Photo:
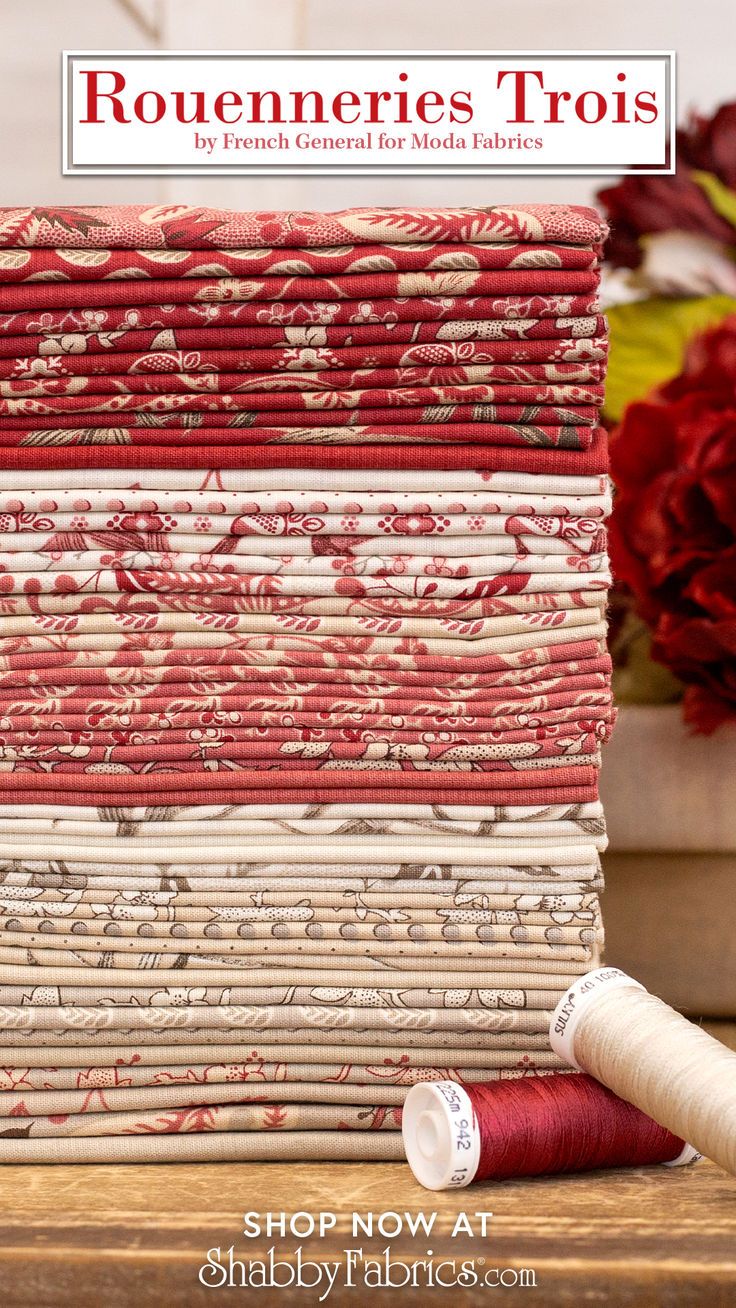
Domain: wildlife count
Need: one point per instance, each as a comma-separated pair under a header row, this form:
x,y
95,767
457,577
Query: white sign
x,y
412,112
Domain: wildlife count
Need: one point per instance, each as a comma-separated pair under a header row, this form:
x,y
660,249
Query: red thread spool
x,y
455,1134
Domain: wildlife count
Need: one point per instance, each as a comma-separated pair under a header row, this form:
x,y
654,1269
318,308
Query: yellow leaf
x,y
721,197
649,339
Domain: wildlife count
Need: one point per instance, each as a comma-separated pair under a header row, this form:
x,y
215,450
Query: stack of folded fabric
x,y
303,676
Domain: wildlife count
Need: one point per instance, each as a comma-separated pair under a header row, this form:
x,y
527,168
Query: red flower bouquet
x,y
673,532
638,206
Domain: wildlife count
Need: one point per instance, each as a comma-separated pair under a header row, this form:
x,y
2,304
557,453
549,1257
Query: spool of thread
x,y
456,1134
607,1024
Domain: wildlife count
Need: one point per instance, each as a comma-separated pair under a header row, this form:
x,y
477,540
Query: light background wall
x,y
35,32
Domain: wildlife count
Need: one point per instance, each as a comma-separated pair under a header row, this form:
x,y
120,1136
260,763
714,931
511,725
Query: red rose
x,y
710,144
673,530
639,205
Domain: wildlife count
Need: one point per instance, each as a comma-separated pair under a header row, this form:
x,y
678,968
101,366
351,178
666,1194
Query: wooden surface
x,y
122,1236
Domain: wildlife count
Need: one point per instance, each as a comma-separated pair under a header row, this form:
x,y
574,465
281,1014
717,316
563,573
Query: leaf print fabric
x,y
183,227
303,670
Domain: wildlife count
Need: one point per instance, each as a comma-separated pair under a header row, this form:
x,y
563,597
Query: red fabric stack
x,y
302,665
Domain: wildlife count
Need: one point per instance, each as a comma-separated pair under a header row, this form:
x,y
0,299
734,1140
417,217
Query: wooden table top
x,y
138,1235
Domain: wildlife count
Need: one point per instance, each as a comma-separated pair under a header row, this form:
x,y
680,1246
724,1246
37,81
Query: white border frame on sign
x,y
69,168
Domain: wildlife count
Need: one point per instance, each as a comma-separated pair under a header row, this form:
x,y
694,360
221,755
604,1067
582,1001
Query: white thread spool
x,y
608,1025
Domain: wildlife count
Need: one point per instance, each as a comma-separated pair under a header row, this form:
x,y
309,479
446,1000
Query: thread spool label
x,y
449,1159
465,1146
688,1154
576,1001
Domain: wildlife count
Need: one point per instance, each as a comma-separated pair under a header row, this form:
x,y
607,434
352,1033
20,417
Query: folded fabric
x,y
60,264
411,374
502,648
419,308
204,678
206,1119
518,339
513,1010
506,821
285,1023
121,1098
363,1062
507,282
317,1146
381,457
384,424
242,702
186,227
502,487
473,436
149,507
505,670
271,902
85,406
191,551
578,786
500,985
508,360
248,713
196,623
362,850
533,572
303,677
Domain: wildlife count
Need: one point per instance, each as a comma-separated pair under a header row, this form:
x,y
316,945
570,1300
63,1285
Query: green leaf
x,y
648,343
637,677
721,197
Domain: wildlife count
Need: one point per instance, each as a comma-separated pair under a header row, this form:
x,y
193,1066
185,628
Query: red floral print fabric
x,y
200,228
